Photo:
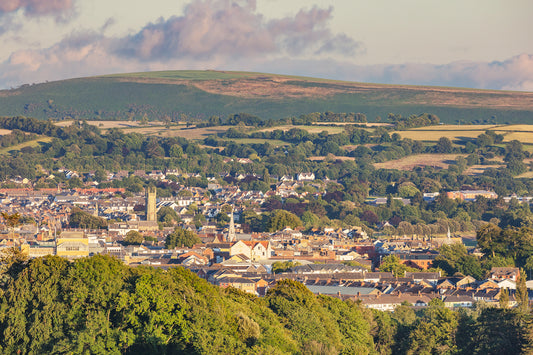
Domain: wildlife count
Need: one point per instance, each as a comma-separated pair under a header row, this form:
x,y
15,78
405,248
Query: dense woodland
x,y
99,305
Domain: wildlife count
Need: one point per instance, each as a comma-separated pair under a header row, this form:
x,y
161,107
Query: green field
x,y
274,142
458,133
33,143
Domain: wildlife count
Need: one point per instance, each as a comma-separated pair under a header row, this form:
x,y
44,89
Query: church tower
x,y
151,211
231,231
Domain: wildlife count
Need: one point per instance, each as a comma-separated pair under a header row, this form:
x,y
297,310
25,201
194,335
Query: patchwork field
x,y
522,133
413,161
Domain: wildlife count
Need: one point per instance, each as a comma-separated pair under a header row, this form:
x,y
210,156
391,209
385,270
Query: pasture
x,y
274,142
309,129
179,131
522,133
413,161
33,143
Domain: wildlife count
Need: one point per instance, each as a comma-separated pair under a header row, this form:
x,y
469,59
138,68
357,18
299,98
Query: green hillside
x,y
200,94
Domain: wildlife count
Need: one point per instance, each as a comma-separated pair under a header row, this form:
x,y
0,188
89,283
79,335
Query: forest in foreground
x,y
99,305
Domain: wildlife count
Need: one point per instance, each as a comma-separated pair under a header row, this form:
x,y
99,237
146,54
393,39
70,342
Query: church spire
x,y
231,231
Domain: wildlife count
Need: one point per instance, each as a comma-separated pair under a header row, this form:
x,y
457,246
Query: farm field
x,y
33,143
451,127
274,142
174,131
515,127
112,124
524,137
4,132
332,157
434,135
522,133
310,129
410,162
479,169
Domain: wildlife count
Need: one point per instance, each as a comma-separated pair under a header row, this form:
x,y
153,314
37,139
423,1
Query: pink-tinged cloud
x,y
232,29
231,35
37,7
515,73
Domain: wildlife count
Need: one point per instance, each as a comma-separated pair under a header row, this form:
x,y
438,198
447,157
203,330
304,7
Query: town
x,y
342,263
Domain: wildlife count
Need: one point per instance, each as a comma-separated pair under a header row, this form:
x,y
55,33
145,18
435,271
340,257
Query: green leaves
x,y
181,238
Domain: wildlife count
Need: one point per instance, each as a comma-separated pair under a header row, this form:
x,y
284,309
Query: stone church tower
x,y
151,209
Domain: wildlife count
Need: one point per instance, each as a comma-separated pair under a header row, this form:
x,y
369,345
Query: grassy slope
x,y
161,93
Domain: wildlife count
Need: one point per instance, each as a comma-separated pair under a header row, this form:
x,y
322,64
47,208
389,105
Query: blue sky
x,y
467,43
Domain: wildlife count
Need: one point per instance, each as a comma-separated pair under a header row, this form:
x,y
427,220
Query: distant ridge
x,y
201,94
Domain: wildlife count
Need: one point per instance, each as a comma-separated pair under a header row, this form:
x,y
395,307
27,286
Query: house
x,y
458,301
508,284
466,281
305,177
431,278
254,250
390,302
471,195
500,273
241,283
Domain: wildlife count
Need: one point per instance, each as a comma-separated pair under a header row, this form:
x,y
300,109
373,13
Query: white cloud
x,y
232,35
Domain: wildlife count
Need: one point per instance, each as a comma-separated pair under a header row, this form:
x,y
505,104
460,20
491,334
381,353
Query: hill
x,y
200,94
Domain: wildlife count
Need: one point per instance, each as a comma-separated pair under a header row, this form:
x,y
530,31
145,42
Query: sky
x,y
486,44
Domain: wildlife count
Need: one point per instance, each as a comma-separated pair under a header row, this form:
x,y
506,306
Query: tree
x,y
435,332
133,237
391,263
176,151
280,219
444,145
81,219
488,237
167,216
504,298
501,331
12,220
522,294
181,238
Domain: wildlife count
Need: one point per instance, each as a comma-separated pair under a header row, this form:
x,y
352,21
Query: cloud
x,y
231,35
233,29
56,8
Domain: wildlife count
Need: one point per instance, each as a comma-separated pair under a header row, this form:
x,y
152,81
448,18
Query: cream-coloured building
x,y
254,250
72,244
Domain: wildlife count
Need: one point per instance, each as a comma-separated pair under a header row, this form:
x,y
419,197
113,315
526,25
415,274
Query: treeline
x,y
247,119
425,119
99,305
